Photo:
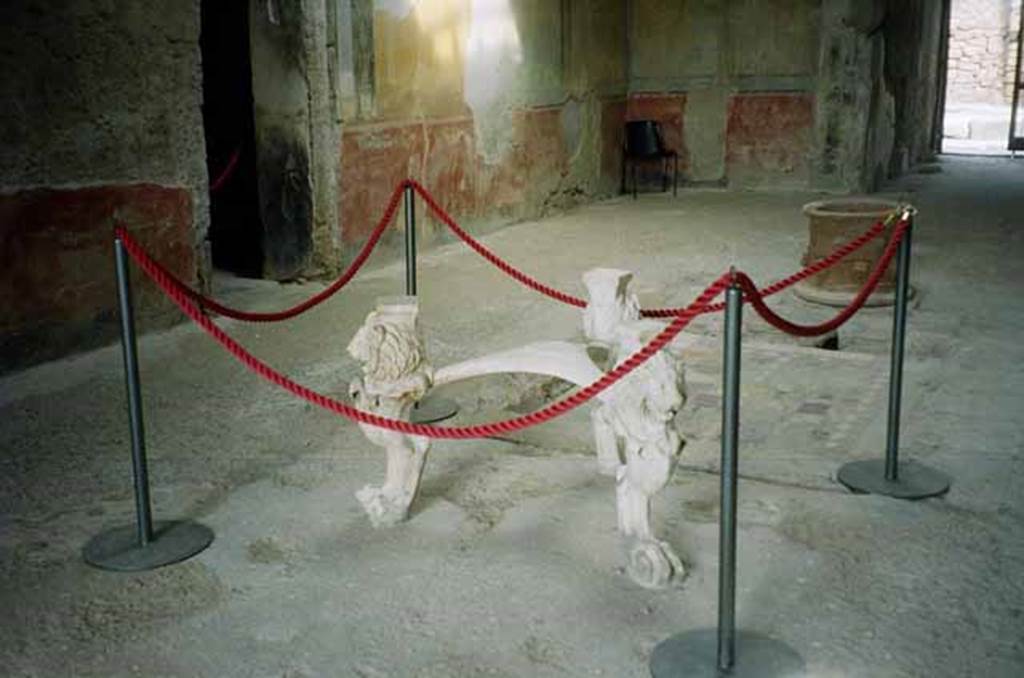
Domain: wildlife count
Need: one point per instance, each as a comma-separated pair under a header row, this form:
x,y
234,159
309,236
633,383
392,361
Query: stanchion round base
x,y
431,410
914,481
695,655
173,541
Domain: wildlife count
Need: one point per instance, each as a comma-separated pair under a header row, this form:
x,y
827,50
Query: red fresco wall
x,y
768,138
442,155
57,264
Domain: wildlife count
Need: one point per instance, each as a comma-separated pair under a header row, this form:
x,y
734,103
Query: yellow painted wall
x,y
419,59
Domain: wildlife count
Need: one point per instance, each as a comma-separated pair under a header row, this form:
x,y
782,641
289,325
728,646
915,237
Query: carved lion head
x,y
389,350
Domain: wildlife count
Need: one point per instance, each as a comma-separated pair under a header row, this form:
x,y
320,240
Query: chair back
x,y
643,138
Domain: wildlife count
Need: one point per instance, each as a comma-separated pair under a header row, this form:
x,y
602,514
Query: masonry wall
x,y
101,125
732,84
913,50
982,50
503,109
297,131
830,94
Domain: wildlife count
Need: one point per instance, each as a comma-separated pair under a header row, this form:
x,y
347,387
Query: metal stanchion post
x,y
728,481
888,476
715,652
140,471
142,546
410,241
431,409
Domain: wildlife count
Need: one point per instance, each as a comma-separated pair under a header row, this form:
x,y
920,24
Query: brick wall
x,y
982,50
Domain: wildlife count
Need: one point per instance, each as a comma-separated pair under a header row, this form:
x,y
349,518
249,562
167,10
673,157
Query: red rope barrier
x,y
187,300
507,268
212,305
817,267
490,256
187,304
228,170
756,298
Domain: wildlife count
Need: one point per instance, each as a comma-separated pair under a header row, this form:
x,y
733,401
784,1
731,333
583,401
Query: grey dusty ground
x,y
978,129
510,563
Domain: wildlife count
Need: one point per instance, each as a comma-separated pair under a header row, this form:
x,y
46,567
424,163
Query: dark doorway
x,y
236,233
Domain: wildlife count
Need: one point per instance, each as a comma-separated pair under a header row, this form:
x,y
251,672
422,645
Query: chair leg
x,y
664,174
622,174
675,175
634,180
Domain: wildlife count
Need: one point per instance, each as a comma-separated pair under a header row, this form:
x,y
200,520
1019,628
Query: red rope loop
x,y
818,266
490,256
208,304
227,172
756,297
507,268
187,304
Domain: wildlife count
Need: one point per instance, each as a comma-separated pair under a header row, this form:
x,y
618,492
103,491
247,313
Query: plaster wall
x,y
102,124
855,110
731,83
835,94
295,114
913,39
504,109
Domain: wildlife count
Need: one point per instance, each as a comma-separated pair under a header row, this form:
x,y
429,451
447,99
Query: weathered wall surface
x,y
878,90
913,30
57,284
732,84
835,94
296,132
982,50
502,108
855,111
101,123
768,138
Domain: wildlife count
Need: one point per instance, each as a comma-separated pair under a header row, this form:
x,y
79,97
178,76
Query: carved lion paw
x,y
654,565
384,509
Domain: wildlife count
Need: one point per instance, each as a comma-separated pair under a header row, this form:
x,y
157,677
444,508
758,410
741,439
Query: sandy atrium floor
x,y
510,565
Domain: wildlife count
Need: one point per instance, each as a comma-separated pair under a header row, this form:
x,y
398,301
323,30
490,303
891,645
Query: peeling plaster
x,y
571,126
491,76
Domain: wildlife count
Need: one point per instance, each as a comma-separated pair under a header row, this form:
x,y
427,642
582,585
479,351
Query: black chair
x,y
643,144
